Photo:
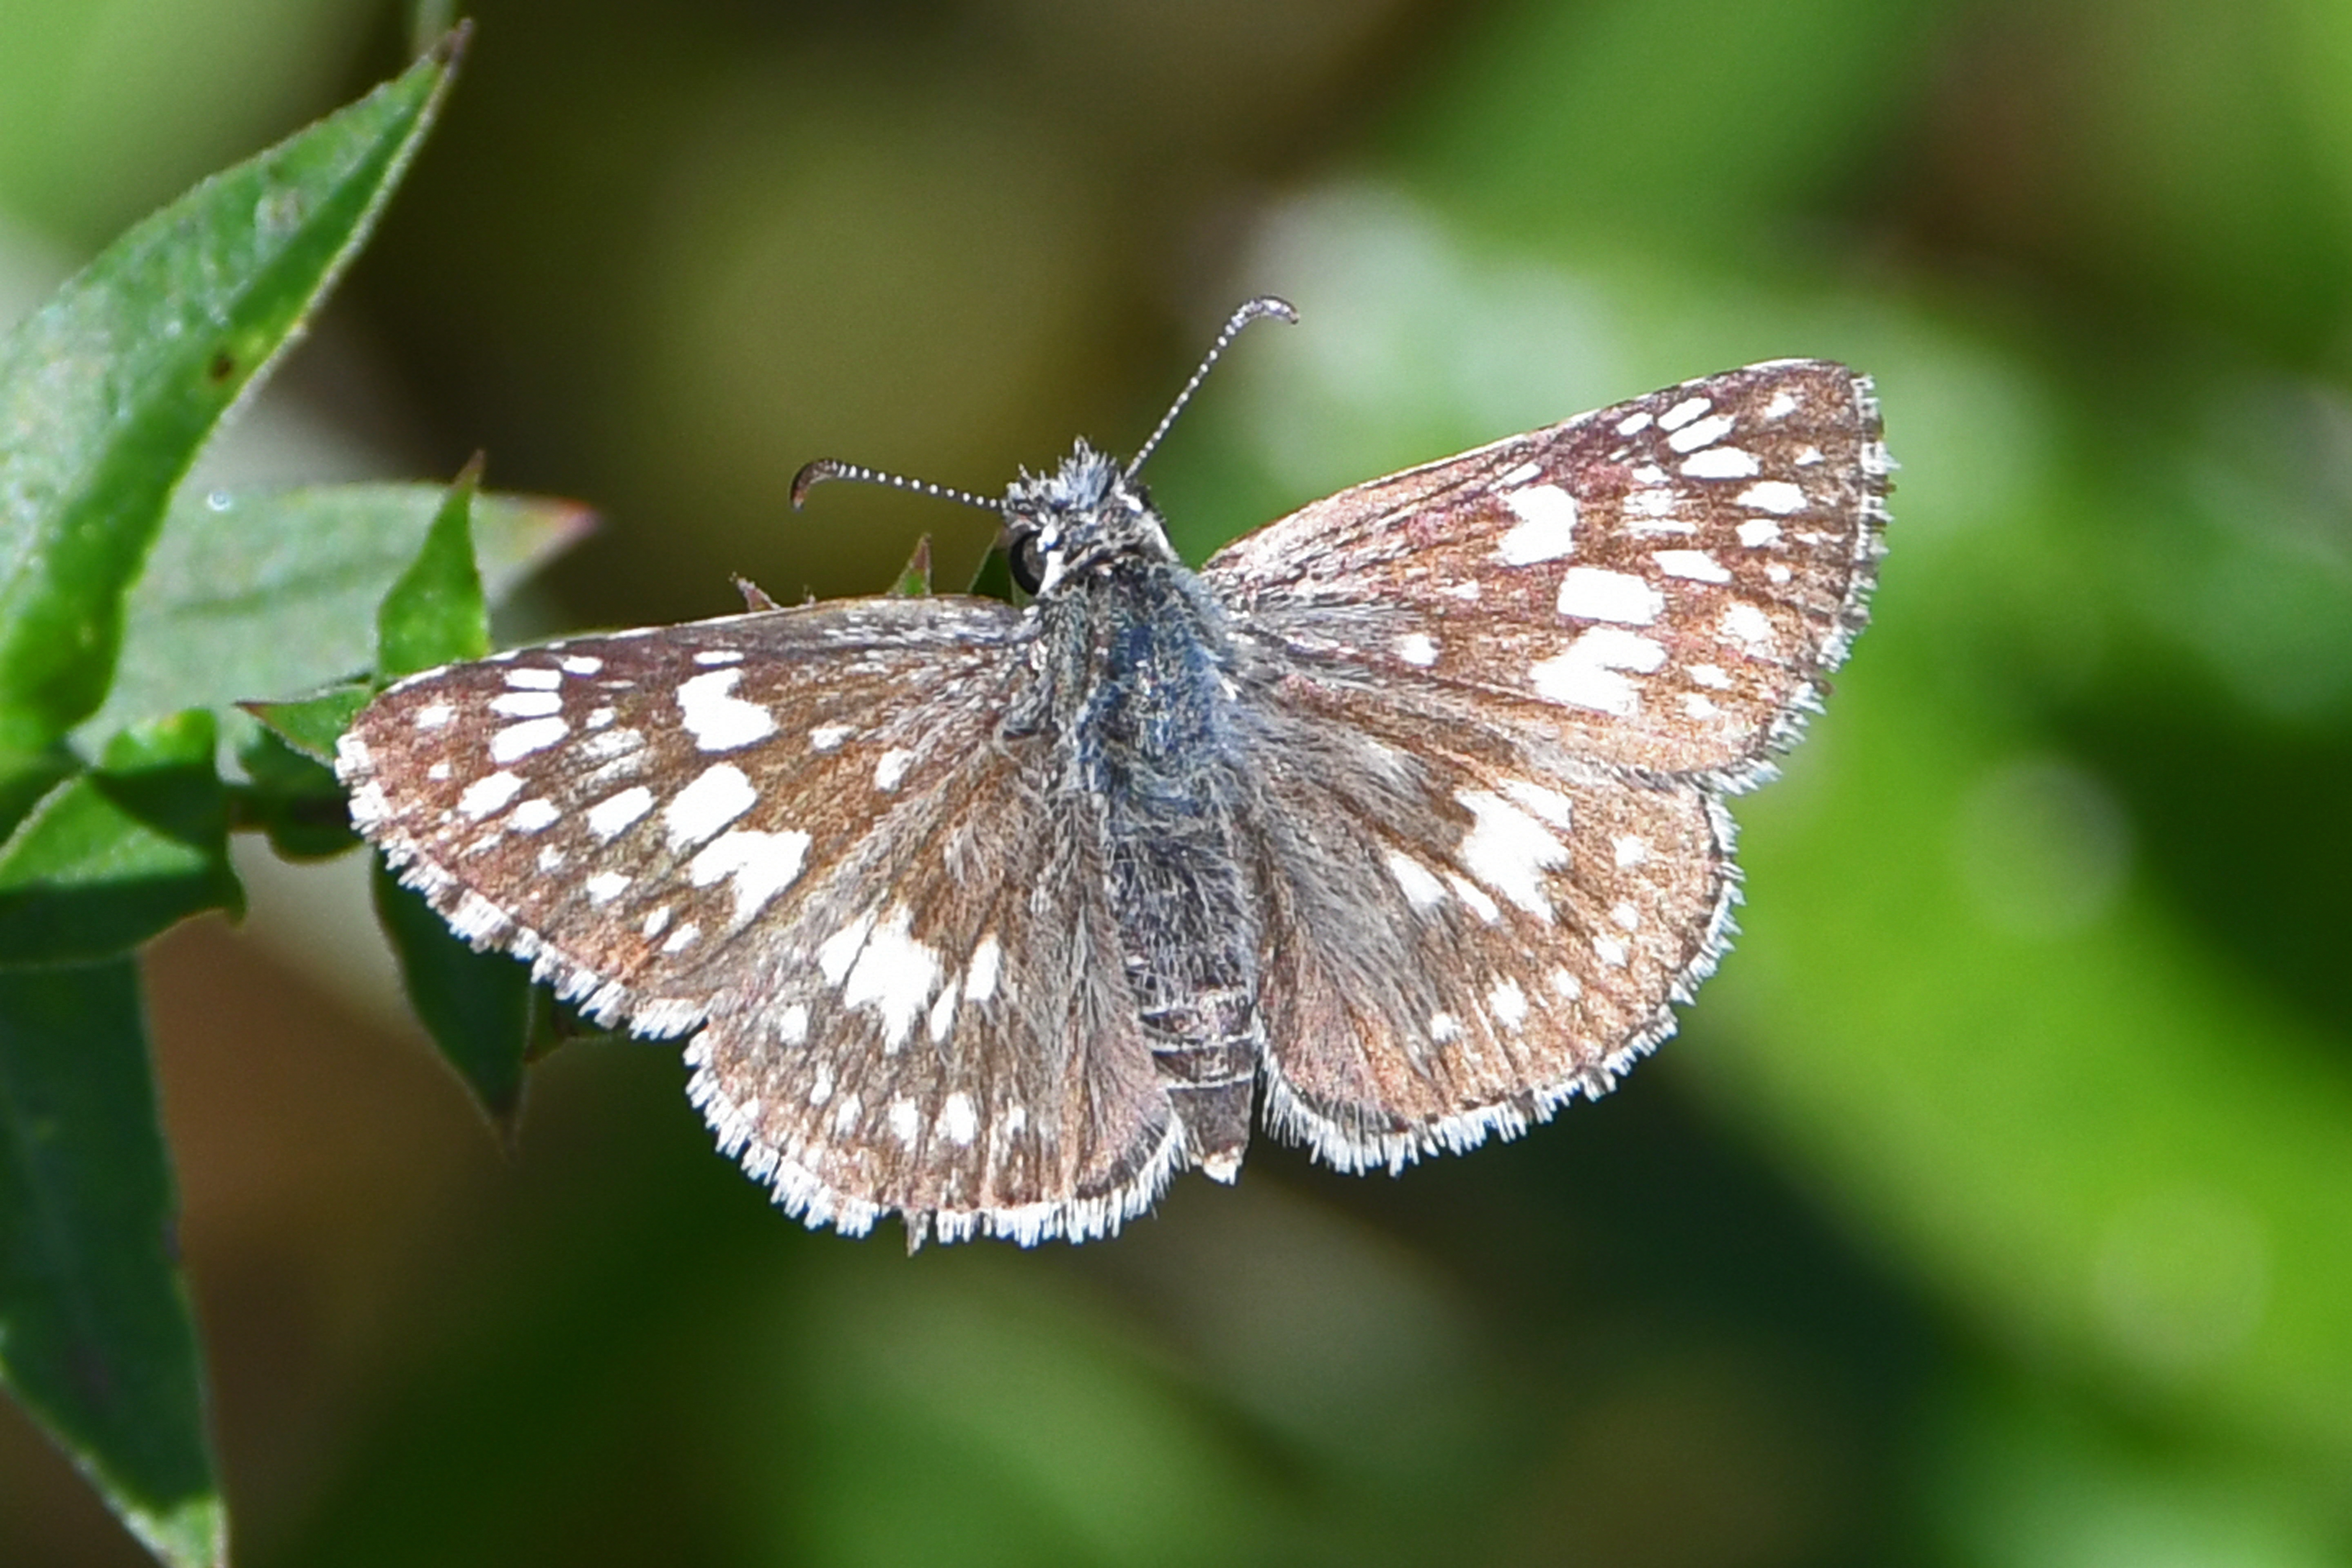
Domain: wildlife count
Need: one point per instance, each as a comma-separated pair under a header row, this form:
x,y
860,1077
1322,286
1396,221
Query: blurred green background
x,y
1994,1206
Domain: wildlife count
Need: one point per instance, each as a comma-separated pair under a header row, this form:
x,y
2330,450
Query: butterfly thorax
x,y
1136,654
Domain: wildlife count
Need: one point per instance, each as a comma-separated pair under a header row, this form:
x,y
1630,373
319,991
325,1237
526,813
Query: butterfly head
x,y
1082,515
1087,512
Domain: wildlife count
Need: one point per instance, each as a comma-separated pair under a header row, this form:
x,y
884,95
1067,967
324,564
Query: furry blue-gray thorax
x,y
1085,513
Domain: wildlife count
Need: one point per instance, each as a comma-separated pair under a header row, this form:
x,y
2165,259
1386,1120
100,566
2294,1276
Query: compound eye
x,y
1027,561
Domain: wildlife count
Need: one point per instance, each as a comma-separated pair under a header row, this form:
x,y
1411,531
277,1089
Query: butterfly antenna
x,y
1250,311
825,469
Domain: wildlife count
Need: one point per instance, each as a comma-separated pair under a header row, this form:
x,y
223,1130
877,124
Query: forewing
x,y
803,832
1465,927
1666,581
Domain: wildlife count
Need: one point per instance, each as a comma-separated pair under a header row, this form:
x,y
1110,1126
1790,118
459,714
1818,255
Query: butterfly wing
x,y
804,834
1468,924
1663,584
1499,697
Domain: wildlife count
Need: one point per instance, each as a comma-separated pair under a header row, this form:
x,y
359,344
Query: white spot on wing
x,y
1519,476
904,1120
986,956
959,1123
894,976
1547,526
1421,888
582,664
433,715
611,743
763,864
719,720
1696,565
1708,675
1544,801
526,704
1445,1027
1588,675
488,794
1680,414
1475,897
1772,495
943,1012
1630,848
1721,463
530,678
1417,648
1509,1003
1758,531
1596,594
521,740
1747,624
825,737
1508,850
891,767
1635,423
717,656
1609,950
837,953
613,813
718,796
605,886
1783,403
1706,432
533,816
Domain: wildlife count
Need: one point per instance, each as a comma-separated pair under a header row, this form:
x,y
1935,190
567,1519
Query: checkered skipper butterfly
x,y
1401,821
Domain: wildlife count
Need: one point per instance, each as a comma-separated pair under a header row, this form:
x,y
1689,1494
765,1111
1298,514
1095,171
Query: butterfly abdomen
x,y
1160,764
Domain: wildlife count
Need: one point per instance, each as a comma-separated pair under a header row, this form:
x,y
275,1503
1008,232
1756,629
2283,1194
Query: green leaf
x,y
556,1024
107,391
96,1338
294,796
437,612
476,1006
915,582
249,596
118,855
27,776
313,724
994,578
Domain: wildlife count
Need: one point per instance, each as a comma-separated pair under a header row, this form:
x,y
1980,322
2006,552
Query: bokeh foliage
x,y
1995,1205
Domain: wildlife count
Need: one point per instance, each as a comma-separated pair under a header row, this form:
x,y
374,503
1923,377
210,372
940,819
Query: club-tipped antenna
x,y
1265,305
825,469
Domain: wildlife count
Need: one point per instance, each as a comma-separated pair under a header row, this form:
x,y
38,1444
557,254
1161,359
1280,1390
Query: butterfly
x,y
1396,825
